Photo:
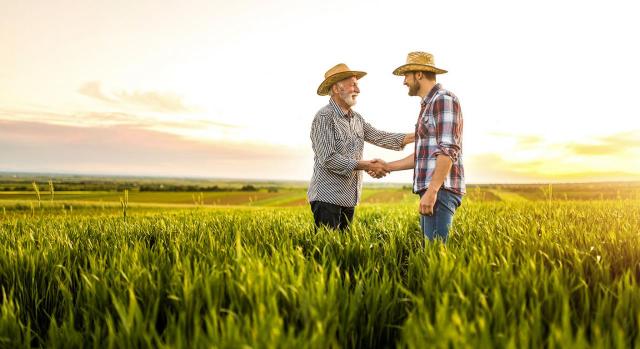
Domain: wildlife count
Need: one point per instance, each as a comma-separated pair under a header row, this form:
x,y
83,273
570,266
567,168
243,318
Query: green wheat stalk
x,y
35,187
124,202
51,190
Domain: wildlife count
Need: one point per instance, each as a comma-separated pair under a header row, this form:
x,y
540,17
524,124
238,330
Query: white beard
x,y
349,98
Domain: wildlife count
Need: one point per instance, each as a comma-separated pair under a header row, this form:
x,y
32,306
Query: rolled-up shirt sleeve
x,y
382,139
448,120
324,145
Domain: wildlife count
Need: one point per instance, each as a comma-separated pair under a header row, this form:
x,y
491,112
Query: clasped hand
x,y
377,168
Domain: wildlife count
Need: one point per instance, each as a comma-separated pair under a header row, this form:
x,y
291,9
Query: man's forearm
x,y
402,164
443,166
408,138
363,165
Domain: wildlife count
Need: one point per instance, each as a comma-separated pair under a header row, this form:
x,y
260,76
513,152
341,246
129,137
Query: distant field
x,y
288,197
279,195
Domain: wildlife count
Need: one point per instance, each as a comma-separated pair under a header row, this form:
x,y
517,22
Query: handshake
x,y
377,168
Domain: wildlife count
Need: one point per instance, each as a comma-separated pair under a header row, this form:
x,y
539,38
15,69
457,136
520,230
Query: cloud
x,y
126,149
93,89
609,145
156,101
107,119
150,100
21,114
593,149
134,150
492,168
521,140
529,140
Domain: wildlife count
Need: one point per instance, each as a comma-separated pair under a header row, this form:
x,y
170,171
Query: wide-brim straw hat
x,y
338,73
419,61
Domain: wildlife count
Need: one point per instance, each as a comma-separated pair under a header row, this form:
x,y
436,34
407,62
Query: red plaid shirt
x,y
439,132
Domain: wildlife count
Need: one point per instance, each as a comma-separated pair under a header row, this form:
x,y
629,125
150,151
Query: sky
x,y
227,89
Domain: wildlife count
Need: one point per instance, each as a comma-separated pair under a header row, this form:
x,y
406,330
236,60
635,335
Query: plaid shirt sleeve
x,y
382,139
324,145
448,120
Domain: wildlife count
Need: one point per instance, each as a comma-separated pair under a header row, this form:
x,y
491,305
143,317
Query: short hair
x,y
339,83
431,76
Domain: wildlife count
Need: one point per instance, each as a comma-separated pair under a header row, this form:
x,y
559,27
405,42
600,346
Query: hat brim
x,y
401,70
324,87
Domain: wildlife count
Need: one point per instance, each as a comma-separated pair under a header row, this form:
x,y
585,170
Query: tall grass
x,y
37,190
512,275
124,203
51,190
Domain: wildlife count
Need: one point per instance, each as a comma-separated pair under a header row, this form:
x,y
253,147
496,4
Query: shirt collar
x,y
338,110
431,93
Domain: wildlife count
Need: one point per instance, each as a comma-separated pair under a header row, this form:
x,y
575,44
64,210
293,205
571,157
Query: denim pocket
x,y
449,200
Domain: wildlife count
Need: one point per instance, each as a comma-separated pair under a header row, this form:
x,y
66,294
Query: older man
x,y
438,173
338,134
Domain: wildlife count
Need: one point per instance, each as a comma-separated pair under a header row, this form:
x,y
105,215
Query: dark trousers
x,y
330,215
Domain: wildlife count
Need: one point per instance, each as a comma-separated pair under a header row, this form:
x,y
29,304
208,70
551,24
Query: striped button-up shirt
x,y
439,132
337,139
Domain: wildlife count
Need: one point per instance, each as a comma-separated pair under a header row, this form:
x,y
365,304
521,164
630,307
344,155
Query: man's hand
x,y
409,138
427,202
377,168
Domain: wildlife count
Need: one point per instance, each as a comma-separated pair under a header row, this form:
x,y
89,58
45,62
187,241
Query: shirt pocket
x,y
342,139
357,140
430,126
425,127
358,128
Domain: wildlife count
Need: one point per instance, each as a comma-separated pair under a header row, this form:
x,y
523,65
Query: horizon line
x,y
241,179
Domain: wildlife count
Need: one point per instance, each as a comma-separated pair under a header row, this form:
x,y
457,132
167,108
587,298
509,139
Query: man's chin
x,y
350,101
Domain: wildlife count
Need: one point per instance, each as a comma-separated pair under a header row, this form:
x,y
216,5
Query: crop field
x,y
538,266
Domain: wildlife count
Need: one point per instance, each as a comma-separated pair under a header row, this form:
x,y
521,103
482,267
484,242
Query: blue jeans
x,y
437,225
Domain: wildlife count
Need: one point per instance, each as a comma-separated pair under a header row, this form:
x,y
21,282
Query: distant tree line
x,y
157,187
71,187
193,188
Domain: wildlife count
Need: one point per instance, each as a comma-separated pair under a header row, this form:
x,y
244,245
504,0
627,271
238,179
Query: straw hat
x,y
338,73
419,61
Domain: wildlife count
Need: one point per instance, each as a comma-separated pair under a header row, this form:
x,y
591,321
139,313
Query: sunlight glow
x,y
244,73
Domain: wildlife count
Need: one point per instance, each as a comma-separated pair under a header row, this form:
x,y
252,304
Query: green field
x,y
552,267
102,191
